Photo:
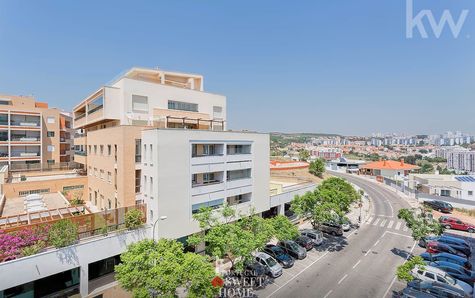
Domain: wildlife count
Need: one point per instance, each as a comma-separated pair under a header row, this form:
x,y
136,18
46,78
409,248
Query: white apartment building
x,y
184,170
459,187
461,161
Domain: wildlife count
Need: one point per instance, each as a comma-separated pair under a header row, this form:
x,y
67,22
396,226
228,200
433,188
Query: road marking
x,y
389,232
391,206
398,225
278,289
405,229
376,243
394,279
367,252
383,223
376,222
328,294
390,225
342,279
357,263
370,219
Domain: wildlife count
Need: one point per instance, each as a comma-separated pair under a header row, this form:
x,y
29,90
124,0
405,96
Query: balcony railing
x,y
25,139
4,154
206,155
82,153
95,109
206,183
80,116
25,154
3,122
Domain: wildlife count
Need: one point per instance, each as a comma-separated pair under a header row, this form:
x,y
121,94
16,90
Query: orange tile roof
x,y
389,165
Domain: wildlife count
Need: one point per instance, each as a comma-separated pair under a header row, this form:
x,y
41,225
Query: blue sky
x,y
314,66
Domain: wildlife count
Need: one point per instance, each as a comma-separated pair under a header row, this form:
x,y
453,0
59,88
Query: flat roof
x,y
16,205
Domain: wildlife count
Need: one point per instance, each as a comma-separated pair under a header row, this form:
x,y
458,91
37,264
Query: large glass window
x,y
182,106
139,103
95,105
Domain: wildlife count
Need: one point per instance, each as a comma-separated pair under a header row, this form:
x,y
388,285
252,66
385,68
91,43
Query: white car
x,y
429,273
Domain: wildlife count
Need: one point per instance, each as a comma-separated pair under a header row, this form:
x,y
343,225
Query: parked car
x,y
272,267
305,242
315,235
439,206
434,289
331,228
456,271
447,257
432,274
293,249
410,292
456,224
254,272
444,239
345,224
434,247
280,255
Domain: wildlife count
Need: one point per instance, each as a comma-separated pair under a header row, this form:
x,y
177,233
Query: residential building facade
x,y
461,161
32,135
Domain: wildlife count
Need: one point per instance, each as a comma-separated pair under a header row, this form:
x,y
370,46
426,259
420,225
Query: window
x,y
217,112
145,184
430,275
137,180
95,149
51,120
109,203
151,186
102,174
145,152
95,172
71,187
213,204
50,134
138,154
109,150
50,161
90,149
102,149
139,103
90,171
151,154
50,148
95,105
470,192
182,106
109,177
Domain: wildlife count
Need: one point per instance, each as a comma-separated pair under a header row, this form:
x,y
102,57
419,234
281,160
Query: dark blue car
x,y
456,271
279,254
446,257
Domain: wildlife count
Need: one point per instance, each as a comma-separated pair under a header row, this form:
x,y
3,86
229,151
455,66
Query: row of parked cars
x,y
271,260
447,273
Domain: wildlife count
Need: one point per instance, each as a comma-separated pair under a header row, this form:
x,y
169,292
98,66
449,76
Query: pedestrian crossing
x,y
387,223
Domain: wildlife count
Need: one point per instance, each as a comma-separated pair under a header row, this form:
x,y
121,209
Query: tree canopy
x,y
403,272
328,202
317,167
304,155
420,223
162,267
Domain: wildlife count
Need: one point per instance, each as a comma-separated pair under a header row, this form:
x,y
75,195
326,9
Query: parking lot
x,y
331,244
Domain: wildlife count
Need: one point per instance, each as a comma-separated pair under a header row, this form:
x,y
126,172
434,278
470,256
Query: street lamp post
x,y
155,223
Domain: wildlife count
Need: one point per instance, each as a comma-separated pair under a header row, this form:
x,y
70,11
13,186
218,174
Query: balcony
x,y
80,153
25,154
25,124
25,121
207,187
25,138
241,182
207,159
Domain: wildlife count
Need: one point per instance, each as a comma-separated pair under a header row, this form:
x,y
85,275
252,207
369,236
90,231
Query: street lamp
x,y
155,223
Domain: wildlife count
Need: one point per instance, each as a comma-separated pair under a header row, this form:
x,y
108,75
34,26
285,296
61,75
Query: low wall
x,y
12,190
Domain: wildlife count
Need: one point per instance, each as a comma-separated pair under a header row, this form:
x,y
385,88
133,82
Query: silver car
x,y
315,235
273,268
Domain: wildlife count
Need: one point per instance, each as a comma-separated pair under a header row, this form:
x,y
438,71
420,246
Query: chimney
x,y
402,161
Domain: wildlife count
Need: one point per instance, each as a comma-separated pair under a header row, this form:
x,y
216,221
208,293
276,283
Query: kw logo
x,y
437,28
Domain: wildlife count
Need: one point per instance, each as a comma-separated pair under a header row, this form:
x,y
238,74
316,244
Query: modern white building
x,y
458,187
184,170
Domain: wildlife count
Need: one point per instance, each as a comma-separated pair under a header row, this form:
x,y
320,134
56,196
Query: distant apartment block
x,y
461,161
32,135
325,153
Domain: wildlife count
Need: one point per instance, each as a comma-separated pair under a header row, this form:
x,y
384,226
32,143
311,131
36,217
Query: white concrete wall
x,y
172,174
158,97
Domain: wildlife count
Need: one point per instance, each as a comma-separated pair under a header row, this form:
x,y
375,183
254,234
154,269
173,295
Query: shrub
x,y
33,249
63,233
133,219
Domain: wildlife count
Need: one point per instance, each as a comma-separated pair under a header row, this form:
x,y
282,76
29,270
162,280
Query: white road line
x,y
367,252
398,225
407,236
342,279
278,289
376,222
383,223
390,225
370,219
328,294
394,279
405,229
357,263
376,243
391,206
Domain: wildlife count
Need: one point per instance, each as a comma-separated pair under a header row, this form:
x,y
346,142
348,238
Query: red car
x,y
435,247
456,224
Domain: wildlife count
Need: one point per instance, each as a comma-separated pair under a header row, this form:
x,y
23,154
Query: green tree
x,y
63,233
426,167
421,223
283,228
229,238
133,219
162,267
304,155
317,167
328,202
403,272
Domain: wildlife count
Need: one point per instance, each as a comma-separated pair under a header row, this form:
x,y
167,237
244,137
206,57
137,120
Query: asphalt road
x,y
362,263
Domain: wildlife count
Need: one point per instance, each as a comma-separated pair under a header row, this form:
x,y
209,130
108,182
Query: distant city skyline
x,y
317,66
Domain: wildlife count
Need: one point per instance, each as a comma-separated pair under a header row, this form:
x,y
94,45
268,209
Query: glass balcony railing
x,y
82,153
25,123
25,154
25,139
80,116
